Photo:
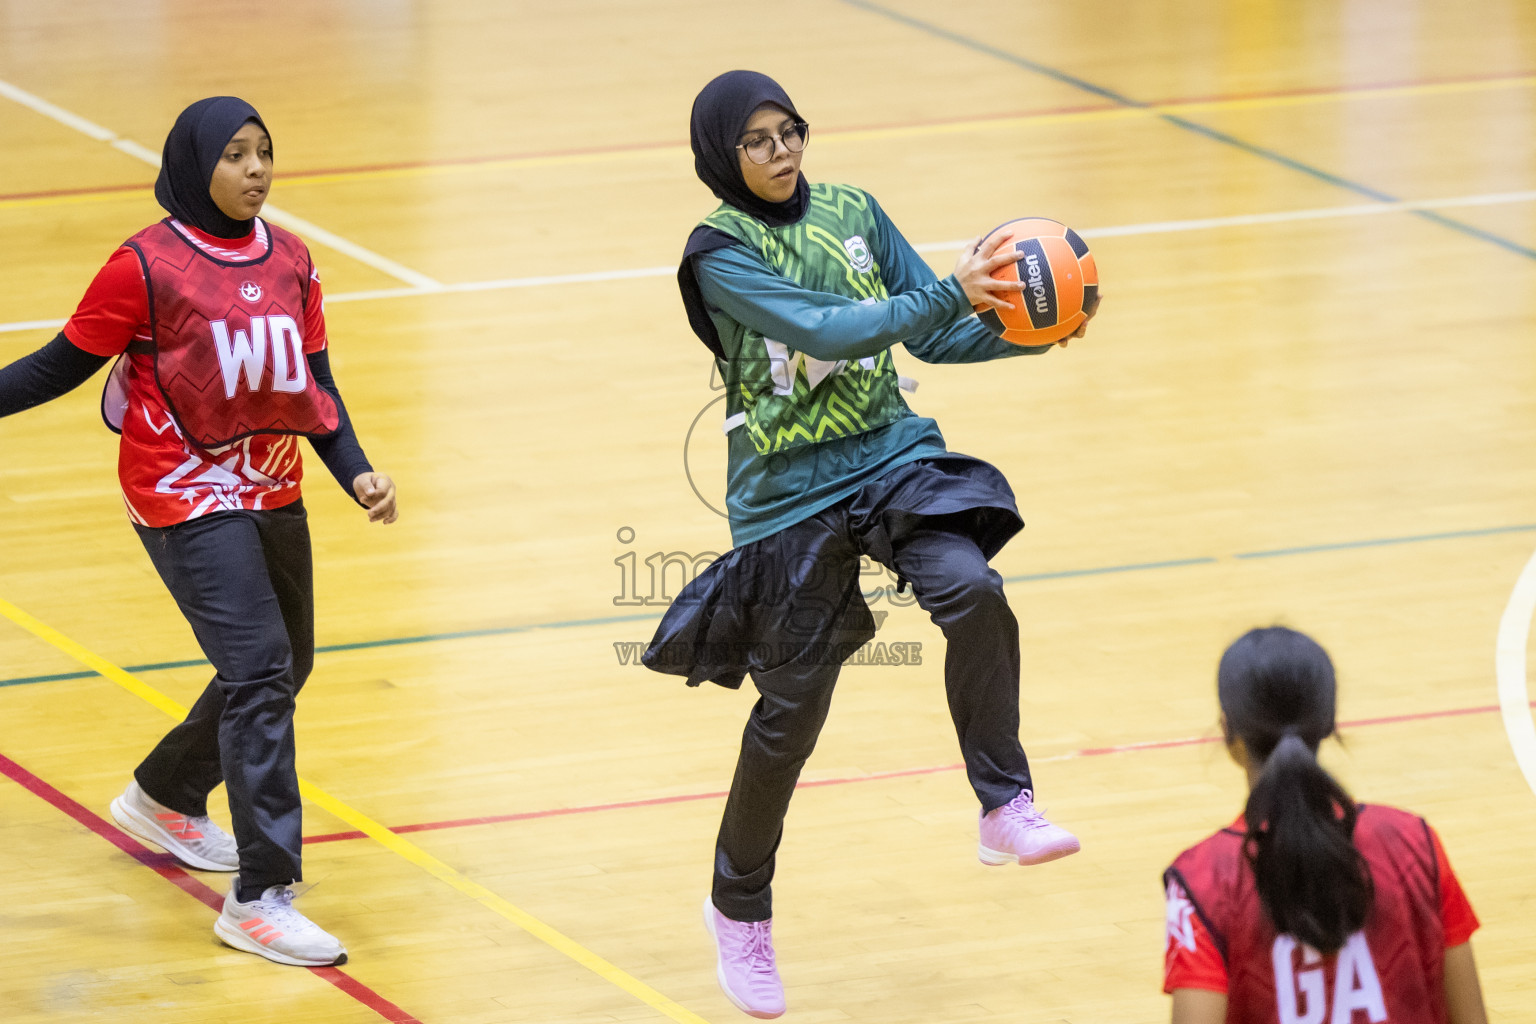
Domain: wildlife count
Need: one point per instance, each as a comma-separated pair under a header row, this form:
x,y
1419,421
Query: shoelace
x,y
277,907
1024,814
757,948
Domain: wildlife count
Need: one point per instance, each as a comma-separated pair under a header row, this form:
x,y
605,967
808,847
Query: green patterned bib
x,y
786,399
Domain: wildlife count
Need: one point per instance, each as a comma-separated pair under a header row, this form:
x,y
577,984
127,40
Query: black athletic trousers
x,y
964,596
244,581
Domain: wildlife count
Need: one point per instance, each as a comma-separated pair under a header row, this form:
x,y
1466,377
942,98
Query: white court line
x,y
1151,228
421,283
315,233
1510,658
32,325
1240,220
505,283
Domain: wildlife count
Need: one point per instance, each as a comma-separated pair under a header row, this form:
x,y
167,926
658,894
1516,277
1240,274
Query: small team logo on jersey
x,y
858,252
250,291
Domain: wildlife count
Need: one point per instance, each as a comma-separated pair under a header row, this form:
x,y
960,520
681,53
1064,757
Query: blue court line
x,y
465,634
1134,567
1385,541
1185,123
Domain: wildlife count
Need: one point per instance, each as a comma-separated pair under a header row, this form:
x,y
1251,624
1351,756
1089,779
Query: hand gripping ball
x,y
1059,276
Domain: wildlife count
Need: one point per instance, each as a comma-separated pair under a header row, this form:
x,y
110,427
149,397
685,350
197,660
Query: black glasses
x,y
760,150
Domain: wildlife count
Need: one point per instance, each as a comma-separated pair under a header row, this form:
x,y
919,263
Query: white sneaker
x,y
196,842
270,927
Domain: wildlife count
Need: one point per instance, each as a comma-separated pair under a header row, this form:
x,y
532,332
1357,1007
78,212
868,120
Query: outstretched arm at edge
x,y
53,370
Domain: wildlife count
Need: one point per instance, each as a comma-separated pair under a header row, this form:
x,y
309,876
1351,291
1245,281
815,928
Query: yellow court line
x,y
394,843
849,135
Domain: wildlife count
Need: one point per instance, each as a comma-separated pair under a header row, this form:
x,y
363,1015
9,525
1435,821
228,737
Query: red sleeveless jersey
x,y
228,339
167,479
1389,972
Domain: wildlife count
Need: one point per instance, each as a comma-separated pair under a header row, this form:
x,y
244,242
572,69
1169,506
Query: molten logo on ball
x,y
1036,283
1035,272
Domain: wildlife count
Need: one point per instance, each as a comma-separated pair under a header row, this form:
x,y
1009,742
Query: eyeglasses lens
x,y
760,150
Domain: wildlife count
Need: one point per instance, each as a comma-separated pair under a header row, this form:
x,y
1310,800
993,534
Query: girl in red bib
x,y
216,320
1311,908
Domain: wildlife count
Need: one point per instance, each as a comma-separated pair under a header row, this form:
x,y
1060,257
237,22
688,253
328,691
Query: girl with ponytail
x,y
1311,908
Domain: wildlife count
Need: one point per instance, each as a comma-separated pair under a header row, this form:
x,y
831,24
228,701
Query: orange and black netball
x,y
1060,282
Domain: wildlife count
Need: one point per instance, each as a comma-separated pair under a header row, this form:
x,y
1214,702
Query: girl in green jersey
x,y
800,292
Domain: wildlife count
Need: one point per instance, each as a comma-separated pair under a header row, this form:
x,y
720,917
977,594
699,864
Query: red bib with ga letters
x,y
1391,970
229,349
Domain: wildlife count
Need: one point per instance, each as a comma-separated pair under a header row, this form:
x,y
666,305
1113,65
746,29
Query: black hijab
x,y
192,151
720,112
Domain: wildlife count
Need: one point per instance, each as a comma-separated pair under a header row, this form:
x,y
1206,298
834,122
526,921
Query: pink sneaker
x,y
1018,832
744,963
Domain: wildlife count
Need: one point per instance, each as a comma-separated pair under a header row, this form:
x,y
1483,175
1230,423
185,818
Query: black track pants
x,y
954,584
243,580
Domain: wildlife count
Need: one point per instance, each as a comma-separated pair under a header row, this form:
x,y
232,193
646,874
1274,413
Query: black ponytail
x,y
1277,689
1313,882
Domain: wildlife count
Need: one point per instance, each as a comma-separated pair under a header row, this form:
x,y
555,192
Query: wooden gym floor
x,y
1310,399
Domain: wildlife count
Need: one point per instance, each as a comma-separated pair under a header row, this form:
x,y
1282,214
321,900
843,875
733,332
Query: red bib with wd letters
x,y
228,344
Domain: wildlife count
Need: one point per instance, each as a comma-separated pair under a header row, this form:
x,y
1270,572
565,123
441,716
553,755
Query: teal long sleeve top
x,y
931,318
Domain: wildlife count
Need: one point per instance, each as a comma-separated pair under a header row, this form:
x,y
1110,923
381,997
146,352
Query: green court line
x,y
361,645
467,634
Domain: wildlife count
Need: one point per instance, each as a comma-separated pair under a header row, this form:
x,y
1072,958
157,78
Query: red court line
x,y
641,147
1324,90
555,812
95,190
1124,748
168,868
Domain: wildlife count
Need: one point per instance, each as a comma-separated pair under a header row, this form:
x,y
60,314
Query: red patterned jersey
x,y
1392,970
165,479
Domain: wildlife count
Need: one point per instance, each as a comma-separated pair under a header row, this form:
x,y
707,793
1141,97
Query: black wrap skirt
x,y
787,603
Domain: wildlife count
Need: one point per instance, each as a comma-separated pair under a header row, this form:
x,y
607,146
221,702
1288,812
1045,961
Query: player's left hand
x,y
1082,328
377,493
